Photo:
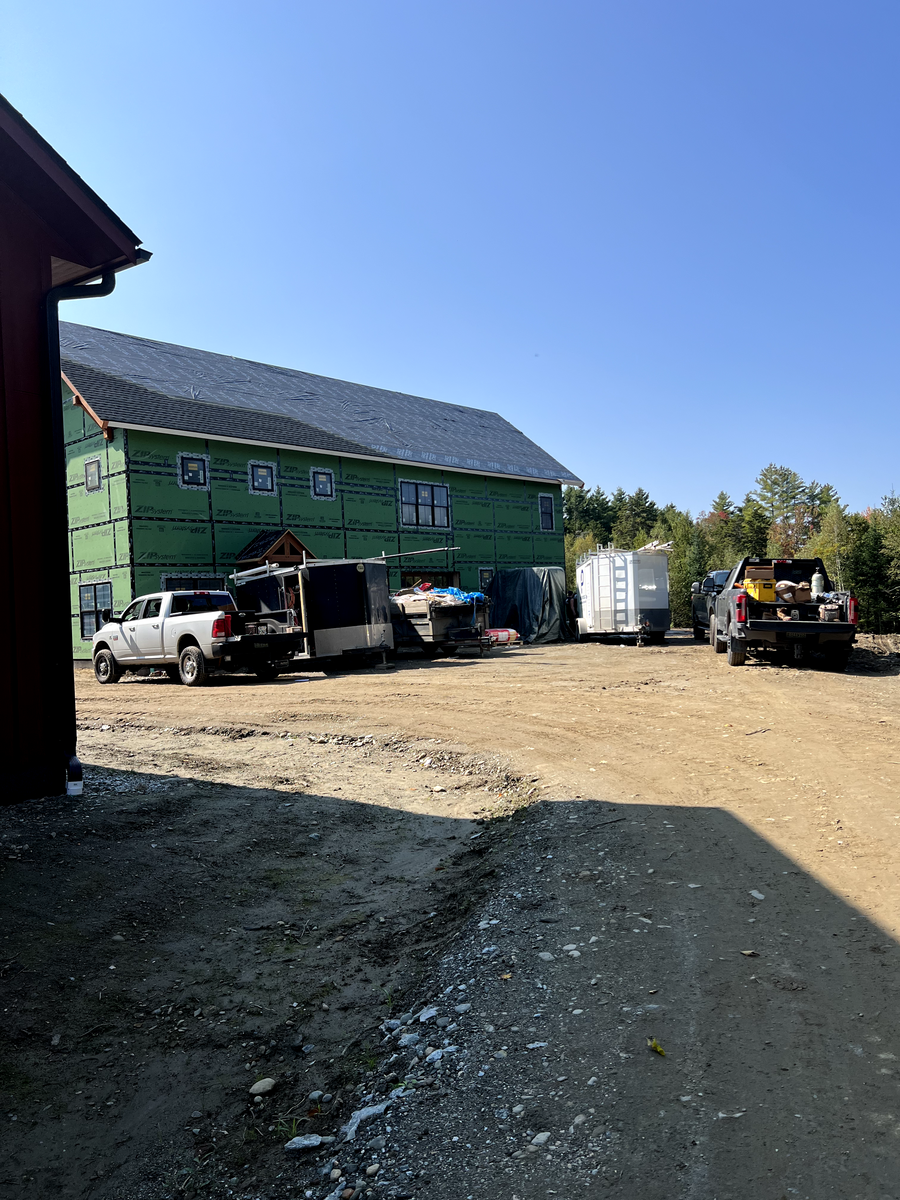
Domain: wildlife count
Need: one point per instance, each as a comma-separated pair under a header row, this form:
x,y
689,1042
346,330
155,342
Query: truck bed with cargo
x,y
784,606
190,635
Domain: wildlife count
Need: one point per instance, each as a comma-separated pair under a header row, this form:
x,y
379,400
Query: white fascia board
x,y
382,458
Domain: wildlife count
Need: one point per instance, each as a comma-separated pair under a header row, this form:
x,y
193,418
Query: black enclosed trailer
x,y
341,608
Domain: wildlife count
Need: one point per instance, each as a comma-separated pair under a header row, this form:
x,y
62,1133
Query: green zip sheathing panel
x,y
99,529
141,525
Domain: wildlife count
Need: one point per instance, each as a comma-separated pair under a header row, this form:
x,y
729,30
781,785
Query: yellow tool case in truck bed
x,y
761,589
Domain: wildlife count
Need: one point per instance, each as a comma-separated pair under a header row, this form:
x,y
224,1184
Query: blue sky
x,y
660,238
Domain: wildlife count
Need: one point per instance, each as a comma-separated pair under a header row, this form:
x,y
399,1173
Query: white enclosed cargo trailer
x,y
624,592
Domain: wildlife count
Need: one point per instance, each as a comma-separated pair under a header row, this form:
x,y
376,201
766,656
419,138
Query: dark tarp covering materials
x,y
531,600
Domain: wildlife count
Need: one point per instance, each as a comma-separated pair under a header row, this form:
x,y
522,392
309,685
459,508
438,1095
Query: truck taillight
x,y
740,607
853,610
221,627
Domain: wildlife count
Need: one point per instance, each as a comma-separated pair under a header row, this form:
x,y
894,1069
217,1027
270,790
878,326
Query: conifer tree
x,y
754,529
778,490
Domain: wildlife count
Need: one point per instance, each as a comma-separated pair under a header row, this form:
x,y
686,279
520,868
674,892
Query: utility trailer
x,y
440,623
623,592
340,607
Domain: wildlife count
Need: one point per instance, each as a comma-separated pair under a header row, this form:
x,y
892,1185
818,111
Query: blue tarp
x,y
462,597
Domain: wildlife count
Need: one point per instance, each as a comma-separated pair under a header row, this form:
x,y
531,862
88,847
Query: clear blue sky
x,y
659,236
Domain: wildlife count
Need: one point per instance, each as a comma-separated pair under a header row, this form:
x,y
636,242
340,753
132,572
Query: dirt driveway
x,y
260,875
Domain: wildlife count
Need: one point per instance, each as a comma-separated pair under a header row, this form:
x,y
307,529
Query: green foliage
x,y
687,564
754,529
870,577
832,543
778,489
636,516
576,545
586,512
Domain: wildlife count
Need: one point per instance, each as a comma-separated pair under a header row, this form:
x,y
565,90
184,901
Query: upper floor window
x,y
425,504
545,504
92,475
261,477
193,471
321,483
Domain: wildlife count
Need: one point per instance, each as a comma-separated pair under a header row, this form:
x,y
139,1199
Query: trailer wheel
x,y
106,669
737,654
266,671
192,669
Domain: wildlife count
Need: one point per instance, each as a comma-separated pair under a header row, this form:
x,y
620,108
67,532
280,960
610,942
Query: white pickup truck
x,y
190,635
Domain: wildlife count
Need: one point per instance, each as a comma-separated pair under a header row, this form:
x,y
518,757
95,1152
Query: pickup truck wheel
x,y
266,671
106,669
737,655
837,659
699,632
192,667
714,641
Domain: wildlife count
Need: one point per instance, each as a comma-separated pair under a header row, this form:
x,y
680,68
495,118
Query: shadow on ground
x,y
171,940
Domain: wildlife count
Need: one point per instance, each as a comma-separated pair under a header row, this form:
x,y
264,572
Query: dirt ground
x,y
261,875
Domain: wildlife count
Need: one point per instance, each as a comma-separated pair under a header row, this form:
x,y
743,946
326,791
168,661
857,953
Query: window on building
x,y
193,471
425,504
545,504
322,484
262,478
485,575
92,599
92,475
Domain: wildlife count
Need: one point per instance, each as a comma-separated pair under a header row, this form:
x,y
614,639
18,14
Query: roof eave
x,y
384,458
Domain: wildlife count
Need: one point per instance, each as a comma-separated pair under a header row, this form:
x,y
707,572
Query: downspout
x,y
63,669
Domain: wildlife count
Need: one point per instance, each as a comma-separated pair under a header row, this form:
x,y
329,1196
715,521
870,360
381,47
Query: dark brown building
x,y
56,236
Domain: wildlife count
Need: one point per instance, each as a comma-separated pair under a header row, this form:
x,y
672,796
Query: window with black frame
x,y
92,599
425,504
546,506
193,471
92,478
323,484
262,477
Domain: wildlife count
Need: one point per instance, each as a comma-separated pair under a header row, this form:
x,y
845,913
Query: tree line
x,y
781,517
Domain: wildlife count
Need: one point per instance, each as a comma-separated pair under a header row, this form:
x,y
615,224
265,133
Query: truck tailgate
x,y
800,628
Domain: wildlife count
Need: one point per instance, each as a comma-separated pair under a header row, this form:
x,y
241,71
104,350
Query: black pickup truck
x,y
703,599
788,623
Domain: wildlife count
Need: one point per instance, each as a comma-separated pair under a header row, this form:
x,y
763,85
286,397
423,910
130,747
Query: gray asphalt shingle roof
x,y
141,382
120,401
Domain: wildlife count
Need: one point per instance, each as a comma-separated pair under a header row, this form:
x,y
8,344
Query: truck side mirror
x,y
695,587
105,614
